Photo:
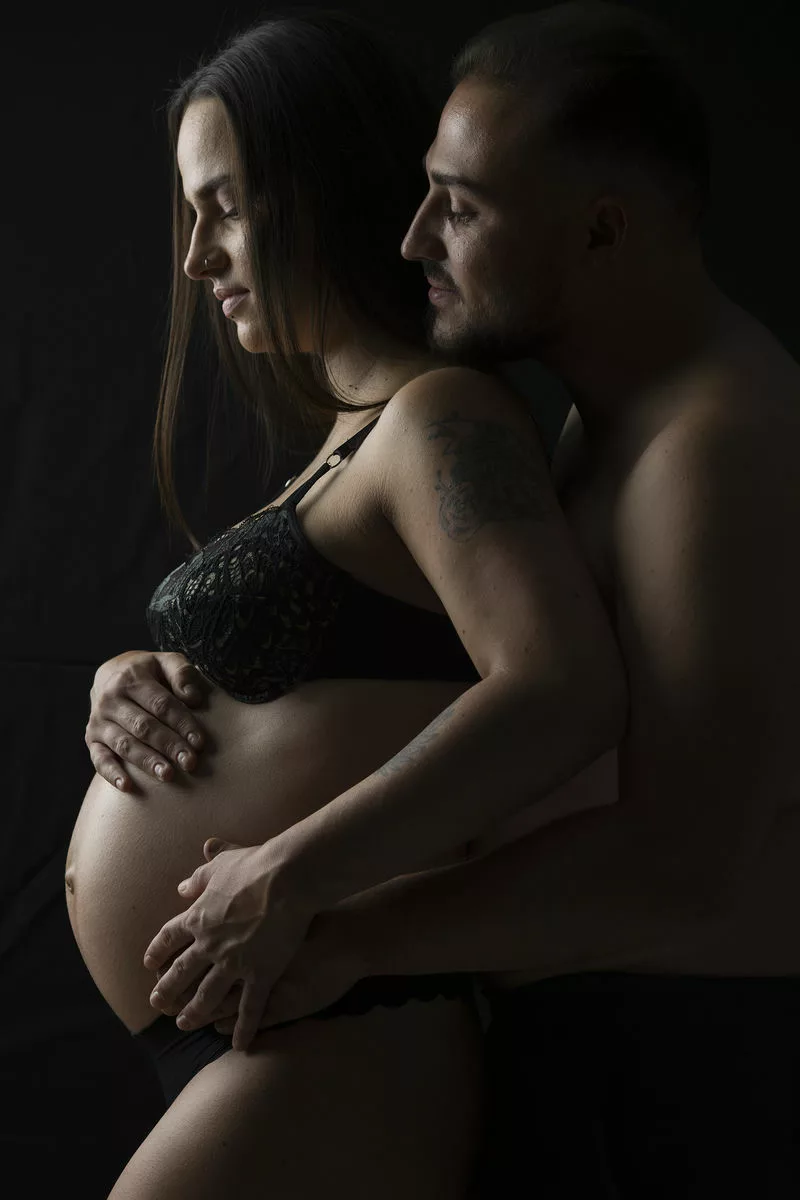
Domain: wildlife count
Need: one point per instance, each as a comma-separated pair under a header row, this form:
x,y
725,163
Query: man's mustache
x,y
434,274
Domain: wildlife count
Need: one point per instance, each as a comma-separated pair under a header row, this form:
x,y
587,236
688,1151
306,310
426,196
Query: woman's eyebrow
x,y
209,188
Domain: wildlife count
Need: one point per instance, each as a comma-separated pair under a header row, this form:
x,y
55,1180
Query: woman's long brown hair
x,y
329,128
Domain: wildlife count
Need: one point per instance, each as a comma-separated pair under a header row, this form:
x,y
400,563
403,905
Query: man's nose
x,y
421,241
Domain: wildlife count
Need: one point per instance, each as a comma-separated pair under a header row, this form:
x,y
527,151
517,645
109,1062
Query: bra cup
x,y
259,610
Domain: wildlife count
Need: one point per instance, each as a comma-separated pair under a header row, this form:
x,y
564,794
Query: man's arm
x,y
709,595
576,896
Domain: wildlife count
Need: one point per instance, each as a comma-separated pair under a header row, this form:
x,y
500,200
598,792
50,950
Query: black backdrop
x,y
85,248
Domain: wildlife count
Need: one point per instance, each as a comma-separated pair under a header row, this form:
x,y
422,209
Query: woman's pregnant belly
x,y
264,768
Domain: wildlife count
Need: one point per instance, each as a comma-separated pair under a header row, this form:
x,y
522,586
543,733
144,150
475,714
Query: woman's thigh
x,y
388,1104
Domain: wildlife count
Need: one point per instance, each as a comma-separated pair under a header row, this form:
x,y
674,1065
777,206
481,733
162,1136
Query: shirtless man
x,y
640,958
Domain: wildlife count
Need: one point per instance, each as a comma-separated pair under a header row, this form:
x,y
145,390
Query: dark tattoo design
x,y
417,748
492,478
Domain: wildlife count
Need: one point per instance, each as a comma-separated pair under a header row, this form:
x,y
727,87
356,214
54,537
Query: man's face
x,y
498,230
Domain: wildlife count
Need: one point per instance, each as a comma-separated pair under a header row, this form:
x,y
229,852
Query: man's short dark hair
x,y
609,81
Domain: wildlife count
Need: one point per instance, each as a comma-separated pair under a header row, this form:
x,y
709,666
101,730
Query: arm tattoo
x,y
493,476
417,748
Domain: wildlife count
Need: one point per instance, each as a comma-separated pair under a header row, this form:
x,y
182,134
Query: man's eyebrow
x,y
460,181
210,187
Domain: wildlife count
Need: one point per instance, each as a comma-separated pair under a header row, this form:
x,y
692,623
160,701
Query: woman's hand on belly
x,y
245,923
137,716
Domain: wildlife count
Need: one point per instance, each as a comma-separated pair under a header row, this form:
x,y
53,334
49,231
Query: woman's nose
x,y
193,264
202,258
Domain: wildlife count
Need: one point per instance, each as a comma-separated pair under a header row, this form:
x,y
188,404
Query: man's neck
x,y
633,348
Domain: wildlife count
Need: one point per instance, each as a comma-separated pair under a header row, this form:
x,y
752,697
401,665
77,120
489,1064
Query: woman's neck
x,y
365,371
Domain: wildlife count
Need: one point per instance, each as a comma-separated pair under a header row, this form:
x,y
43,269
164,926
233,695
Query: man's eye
x,y
456,217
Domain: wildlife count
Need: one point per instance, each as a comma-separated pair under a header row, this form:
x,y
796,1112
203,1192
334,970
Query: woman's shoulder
x,y
449,392
456,413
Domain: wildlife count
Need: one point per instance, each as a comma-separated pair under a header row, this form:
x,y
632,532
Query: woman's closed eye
x,y
225,214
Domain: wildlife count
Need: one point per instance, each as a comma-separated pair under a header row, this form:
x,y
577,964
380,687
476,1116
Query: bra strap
x,y
334,458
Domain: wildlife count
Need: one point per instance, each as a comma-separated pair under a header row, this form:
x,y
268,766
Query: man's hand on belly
x,y
326,966
244,924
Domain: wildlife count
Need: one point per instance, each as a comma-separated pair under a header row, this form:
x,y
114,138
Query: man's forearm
x,y
586,893
442,790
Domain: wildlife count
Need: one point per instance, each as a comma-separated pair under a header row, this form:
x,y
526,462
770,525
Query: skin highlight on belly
x,y
265,768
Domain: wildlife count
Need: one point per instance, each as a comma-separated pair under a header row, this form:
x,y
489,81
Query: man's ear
x,y
607,227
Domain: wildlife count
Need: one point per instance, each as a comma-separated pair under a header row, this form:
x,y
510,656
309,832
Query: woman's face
x,y
206,158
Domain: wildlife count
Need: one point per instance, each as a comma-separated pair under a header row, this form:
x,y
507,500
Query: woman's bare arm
x,y
466,485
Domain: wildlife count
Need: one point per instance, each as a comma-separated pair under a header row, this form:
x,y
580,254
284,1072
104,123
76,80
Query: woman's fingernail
x,y
183,1023
183,759
120,783
160,770
155,997
194,739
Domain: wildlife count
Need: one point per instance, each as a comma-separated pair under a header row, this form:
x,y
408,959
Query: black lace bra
x,y
258,610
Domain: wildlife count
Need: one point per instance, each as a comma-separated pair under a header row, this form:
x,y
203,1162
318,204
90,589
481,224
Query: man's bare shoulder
x,y
723,469
735,417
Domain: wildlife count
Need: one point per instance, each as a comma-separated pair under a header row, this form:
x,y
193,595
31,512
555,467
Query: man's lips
x,y
437,294
437,286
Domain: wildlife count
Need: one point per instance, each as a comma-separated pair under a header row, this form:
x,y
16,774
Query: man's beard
x,y
483,347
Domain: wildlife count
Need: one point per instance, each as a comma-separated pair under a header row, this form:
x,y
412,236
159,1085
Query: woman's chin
x,y
251,340
254,341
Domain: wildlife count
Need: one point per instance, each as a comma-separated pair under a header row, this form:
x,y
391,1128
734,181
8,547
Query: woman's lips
x,y
230,303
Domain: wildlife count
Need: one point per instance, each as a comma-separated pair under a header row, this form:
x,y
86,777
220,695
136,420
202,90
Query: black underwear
x,y
178,1055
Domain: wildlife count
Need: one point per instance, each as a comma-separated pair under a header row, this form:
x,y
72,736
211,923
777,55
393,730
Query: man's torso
x,y
757,934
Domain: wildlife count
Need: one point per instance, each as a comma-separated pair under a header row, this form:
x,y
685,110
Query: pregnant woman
x,y
408,615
